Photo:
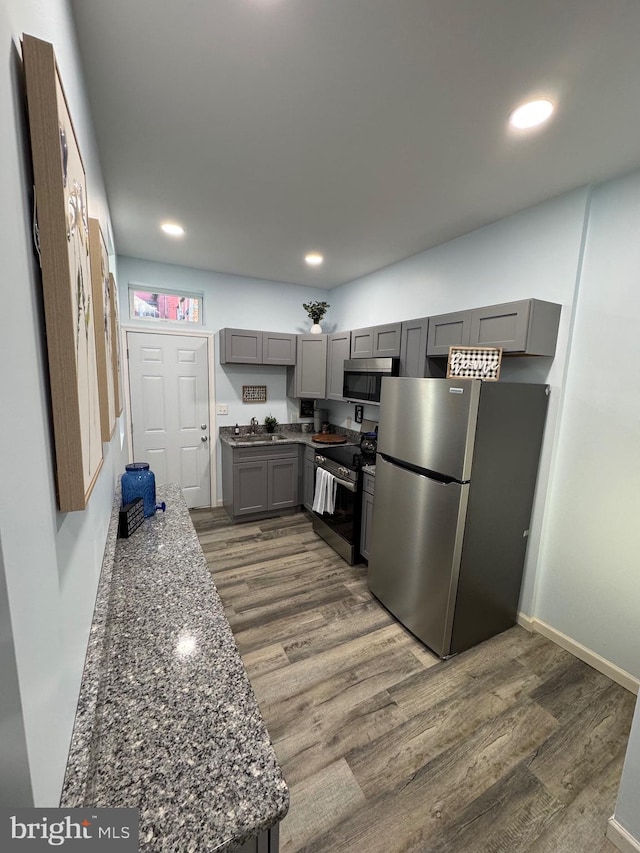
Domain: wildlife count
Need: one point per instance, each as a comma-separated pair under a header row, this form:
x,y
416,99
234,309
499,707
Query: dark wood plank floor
x,y
512,746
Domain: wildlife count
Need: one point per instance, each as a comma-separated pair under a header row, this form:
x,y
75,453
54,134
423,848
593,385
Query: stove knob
x,y
343,471
320,459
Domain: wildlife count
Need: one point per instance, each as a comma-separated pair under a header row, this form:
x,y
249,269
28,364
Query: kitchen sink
x,y
252,439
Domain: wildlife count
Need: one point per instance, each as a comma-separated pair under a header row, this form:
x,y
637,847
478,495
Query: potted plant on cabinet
x,y
315,312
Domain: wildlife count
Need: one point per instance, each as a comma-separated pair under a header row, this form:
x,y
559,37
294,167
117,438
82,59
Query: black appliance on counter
x,y
341,529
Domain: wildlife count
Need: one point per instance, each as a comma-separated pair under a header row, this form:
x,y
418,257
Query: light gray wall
x,y
51,560
587,584
15,780
626,812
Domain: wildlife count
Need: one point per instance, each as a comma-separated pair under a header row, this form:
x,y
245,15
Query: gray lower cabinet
x,y
310,373
376,341
266,842
338,351
259,480
413,348
247,346
448,330
309,477
528,326
368,486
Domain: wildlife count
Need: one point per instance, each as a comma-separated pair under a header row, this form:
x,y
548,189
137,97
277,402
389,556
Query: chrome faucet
x,y
254,424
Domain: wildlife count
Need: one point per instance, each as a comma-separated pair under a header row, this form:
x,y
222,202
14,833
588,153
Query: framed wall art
x,y
474,363
61,212
102,314
115,338
254,393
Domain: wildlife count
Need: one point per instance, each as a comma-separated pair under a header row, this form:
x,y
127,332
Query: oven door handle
x,y
350,487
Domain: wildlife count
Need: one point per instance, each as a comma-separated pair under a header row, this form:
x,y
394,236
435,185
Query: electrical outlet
x,y
348,423
222,409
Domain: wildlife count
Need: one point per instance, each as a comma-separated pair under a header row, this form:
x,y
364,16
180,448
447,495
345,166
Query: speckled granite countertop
x,y
167,721
265,440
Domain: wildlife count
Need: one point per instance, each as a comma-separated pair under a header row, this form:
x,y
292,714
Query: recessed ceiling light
x,y
173,229
531,114
314,259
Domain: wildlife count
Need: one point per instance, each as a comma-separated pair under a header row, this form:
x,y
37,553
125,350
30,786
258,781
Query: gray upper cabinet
x,y
310,375
338,351
241,346
529,326
278,348
376,341
246,346
362,343
448,330
413,348
386,340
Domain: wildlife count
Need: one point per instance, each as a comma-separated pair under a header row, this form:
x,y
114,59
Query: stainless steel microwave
x,y
362,377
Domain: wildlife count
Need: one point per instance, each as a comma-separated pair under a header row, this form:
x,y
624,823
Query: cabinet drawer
x,y
255,454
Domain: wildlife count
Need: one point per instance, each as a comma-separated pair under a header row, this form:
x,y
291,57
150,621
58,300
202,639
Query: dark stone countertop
x,y
167,721
290,434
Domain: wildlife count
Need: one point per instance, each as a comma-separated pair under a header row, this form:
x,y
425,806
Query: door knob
x,y
203,426
204,438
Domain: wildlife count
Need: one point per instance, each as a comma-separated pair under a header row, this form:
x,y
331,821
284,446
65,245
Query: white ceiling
x,y
368,130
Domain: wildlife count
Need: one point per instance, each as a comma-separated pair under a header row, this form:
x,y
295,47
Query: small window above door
x,y
146,303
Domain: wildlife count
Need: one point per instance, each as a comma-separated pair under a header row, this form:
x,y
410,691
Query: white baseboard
x,y
615,673
620,838
526,622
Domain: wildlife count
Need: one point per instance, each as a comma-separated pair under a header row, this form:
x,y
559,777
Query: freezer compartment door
x,y
416,544
430,423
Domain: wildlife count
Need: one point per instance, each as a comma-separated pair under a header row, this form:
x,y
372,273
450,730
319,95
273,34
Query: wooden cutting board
x,y
328,438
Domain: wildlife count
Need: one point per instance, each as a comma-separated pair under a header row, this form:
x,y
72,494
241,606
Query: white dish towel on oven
x,y
324,499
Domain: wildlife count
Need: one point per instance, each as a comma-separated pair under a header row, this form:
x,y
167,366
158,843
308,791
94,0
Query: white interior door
x,y
169,390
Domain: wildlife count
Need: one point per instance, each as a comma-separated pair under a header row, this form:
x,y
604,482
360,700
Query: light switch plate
x,y
222,409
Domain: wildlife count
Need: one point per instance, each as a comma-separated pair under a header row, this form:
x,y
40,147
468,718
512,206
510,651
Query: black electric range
x,y
341,528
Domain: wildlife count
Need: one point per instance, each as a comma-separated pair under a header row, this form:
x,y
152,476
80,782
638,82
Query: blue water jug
x,y
139,482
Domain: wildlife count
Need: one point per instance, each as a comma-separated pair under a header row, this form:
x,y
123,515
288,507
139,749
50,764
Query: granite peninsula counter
x,y
167,721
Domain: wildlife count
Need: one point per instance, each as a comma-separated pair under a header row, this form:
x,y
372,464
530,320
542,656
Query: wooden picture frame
x,y
61,211
115,352
101,289
474,363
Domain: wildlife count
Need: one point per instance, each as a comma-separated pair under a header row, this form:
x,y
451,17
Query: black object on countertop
x,y
130,518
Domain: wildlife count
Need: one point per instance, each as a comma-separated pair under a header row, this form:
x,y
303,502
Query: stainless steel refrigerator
x,y
455,479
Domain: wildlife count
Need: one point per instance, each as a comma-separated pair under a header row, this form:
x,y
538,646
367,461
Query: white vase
x,y
316,329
